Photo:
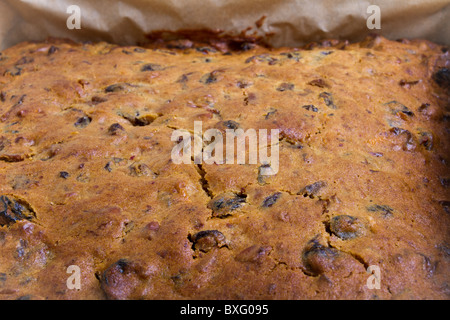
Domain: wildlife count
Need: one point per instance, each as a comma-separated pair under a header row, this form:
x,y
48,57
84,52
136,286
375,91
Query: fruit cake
x,y
358,209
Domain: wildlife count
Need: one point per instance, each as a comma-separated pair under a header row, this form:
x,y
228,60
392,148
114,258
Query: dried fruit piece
x,y
210,77
108,167
257,58
446,205
270,113
12,157
385,210
224,203
139,120
270,200
181,279
426,140
207,239
312,189
64,174
199,49
292,55
310,107
152,67
140,169
408,84
319,83
96,100
52,50
115,128
397,107
228,124
346,227
83,122
285,86
328,99
114,88
423,107
182,79
13,71
317,258
13,209
24,60
376,154
244,84
442,78
408,144
242,46
122,279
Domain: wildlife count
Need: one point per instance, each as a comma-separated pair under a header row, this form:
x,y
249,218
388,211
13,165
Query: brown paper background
x,y
292,22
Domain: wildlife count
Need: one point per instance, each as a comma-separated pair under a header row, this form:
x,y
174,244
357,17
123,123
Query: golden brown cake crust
x,y
86,176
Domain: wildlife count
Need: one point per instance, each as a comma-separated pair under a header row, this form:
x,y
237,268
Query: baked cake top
x,y
87,177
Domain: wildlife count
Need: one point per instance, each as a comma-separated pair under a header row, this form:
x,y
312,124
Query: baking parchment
x,y
286,22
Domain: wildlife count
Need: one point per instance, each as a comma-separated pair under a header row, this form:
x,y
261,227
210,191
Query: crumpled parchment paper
x,y
286,22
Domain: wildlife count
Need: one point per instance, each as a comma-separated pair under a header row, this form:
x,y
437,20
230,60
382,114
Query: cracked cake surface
x,y
87,177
